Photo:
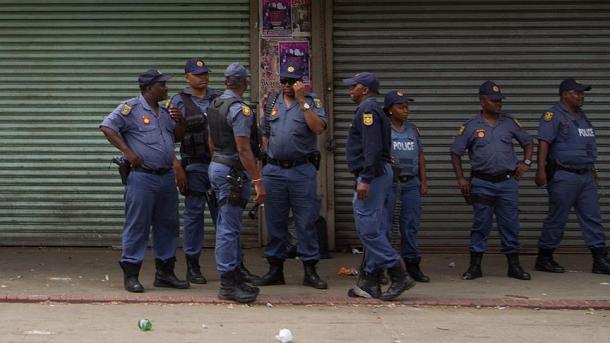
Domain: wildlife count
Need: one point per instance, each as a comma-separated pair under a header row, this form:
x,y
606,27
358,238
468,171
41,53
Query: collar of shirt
x,y
400,129
481,120
230,94
369,99
280,100
211,91
565,110
146,105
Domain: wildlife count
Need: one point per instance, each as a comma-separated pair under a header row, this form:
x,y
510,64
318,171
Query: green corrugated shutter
x,y
440,51
64,65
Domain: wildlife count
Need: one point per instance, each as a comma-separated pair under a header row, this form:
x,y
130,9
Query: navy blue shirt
x,y
491,148
406,146
369,140
571,138
149,136
290,137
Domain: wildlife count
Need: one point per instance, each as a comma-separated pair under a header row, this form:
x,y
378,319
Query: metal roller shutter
x,y
439,52
64,65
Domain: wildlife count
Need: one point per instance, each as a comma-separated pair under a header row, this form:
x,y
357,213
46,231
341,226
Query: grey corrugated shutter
x,y
64,65
439,52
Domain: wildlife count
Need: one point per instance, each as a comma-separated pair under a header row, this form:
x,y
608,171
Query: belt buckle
x,y
286,164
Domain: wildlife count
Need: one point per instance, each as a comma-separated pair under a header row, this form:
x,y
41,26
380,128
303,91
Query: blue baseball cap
x,y
573,85
366,79
151,76
395,97
236,72
491,90
291,71
196,66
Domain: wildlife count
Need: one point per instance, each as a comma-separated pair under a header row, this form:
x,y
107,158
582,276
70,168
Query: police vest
x,y
405,149
222,133
574,146
195,141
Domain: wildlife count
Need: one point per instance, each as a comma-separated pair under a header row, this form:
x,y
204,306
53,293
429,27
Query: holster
x,y
236,180
550,167
124,168
314,158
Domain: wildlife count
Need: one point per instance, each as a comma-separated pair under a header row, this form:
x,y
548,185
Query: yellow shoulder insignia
x,y
548,116
246,110
125,109
317,102
167,103
367,119
462,128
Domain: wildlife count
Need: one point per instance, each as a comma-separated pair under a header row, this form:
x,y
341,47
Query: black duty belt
x,y
191,160
228,162
405,178
288,163
493,178
160,171
573,170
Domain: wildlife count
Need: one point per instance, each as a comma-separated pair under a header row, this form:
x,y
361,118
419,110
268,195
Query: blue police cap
x,y
151,76
196,66
366,79
491,90
291,71
573,85
395,97
236,72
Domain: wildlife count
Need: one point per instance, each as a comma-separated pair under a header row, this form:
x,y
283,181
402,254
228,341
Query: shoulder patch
x,y
317,103
548,116
461,130
246,110
367,119
125,110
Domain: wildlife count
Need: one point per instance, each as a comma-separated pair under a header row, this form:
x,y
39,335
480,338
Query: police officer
x,y
410,179
492,188
293,119
368,158
193,101
145,133
233,134
566,156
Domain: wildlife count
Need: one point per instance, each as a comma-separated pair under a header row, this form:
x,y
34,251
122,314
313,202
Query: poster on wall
x,y
269,67
277,18
296,53
301,18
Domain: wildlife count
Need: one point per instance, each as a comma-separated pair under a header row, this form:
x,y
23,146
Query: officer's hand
x,y
464,186
521,169
181,180
133,159
299,91
259,188
176,114
540,177
423,188
362,190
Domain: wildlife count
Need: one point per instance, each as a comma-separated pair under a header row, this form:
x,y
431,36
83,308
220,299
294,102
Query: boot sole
x,y
239,300
541,269
165,285
357,292
135,290
275,283
407,287
197,282
314,286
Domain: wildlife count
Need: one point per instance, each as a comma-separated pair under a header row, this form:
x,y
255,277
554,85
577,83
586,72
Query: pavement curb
x,y
559,304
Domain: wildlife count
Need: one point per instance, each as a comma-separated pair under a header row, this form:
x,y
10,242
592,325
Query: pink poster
x,y
296,53
277,20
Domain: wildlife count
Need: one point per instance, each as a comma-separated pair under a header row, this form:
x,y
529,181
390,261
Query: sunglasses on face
x,y
289,81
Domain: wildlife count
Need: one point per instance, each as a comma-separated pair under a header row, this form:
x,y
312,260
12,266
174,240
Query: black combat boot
x,y
130,277
367,286
275,275
546,263
514,268
193,270
233,288
311,278
401,281
245,274
165,277
474,271
601,262
414,271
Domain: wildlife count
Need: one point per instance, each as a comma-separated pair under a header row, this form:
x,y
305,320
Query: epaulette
x,y
128,105
511,117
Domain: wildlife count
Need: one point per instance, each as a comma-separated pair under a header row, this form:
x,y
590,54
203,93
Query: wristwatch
x,y
527,162
306,106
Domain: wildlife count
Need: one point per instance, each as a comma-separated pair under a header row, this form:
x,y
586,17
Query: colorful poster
x,y
296,53
301,18
270,67
277,20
